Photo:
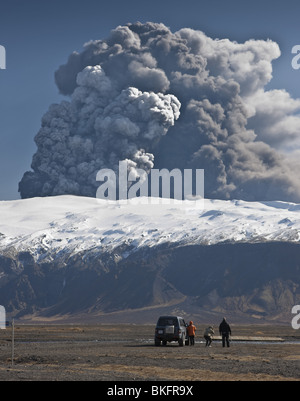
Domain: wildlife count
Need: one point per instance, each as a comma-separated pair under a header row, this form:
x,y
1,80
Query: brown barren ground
x,y
127,353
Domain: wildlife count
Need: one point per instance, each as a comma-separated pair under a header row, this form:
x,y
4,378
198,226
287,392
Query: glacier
x,y
52,225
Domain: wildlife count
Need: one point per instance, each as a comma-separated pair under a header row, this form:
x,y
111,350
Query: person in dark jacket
x,y
225,332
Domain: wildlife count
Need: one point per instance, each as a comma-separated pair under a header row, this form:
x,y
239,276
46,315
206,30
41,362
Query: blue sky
x,y
39,36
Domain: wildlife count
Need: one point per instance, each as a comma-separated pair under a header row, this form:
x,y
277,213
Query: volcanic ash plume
x,y
170,100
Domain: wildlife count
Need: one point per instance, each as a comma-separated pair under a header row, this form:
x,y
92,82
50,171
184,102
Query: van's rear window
x,y
165,321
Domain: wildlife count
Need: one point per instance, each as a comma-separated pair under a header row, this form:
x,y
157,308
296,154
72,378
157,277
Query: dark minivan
x,y
170,328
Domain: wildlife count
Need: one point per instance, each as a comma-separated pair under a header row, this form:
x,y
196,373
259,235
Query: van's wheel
x,y
164,343
182,341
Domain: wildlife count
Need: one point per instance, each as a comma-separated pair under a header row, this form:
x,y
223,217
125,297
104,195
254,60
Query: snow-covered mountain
x,y
66,254
79,224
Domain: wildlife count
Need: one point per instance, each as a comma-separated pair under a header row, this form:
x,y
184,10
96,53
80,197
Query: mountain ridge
x,y
55,223
70,256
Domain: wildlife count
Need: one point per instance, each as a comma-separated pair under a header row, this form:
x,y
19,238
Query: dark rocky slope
x,y
246,280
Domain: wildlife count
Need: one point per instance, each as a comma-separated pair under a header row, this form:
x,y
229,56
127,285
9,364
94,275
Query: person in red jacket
x,y
191,330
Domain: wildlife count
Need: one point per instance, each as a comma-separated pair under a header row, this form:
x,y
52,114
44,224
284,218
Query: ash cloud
x,y
170,100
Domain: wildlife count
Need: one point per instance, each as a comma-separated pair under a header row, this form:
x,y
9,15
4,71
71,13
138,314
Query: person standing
x,y
225,332
208,335
191,329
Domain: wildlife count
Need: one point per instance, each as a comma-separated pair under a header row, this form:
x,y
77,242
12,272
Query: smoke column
x,y
170,100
